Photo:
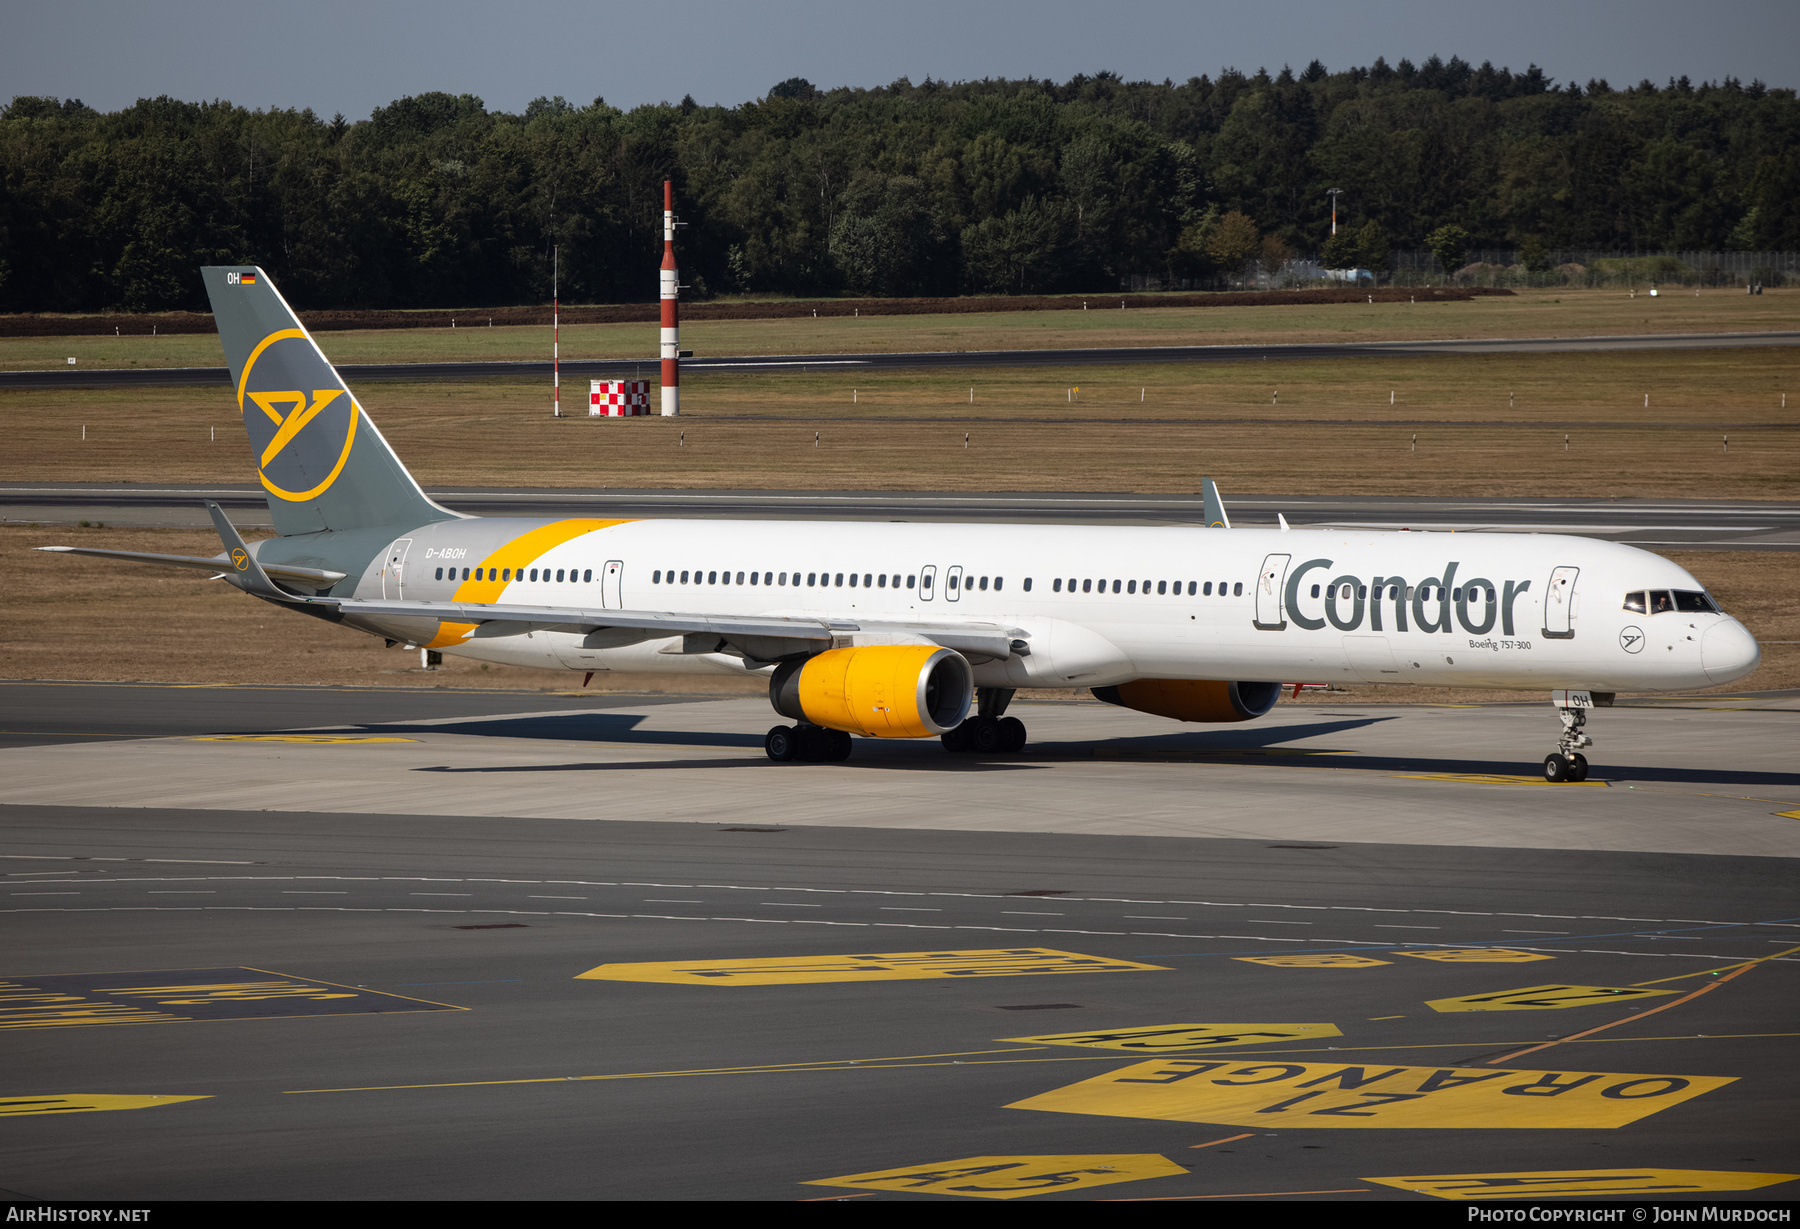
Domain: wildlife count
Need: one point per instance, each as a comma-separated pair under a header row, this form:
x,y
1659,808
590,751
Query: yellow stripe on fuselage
x,y
517,554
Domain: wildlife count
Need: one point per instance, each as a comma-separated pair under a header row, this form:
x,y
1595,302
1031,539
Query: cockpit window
x,y
1634,602
1661,601
1692,601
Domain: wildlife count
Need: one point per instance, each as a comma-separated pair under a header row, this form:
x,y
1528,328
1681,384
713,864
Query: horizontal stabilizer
x,y
312,578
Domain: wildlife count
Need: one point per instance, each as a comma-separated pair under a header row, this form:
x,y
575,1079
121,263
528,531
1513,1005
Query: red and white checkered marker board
x,y
618,398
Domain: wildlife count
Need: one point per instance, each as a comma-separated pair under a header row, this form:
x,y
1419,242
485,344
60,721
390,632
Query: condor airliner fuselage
x,y
919,630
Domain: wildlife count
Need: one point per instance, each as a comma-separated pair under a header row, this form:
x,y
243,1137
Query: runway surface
x,y
480,945
962,359
1652,523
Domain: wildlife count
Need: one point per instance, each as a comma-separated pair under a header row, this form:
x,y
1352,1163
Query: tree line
x,y
996,186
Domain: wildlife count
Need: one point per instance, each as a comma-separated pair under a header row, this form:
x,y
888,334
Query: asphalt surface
x,y
354,925
150,377
1652,523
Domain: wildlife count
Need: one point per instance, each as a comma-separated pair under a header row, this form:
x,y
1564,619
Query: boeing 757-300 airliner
x,y
927,630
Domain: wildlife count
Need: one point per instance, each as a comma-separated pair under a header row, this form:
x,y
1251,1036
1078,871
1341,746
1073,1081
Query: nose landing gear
x,y
1567,763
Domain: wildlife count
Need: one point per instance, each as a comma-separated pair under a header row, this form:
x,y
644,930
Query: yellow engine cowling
x,y
881,690
1193,699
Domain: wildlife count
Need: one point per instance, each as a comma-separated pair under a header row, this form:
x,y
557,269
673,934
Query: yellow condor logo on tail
x,y
300,409
239,559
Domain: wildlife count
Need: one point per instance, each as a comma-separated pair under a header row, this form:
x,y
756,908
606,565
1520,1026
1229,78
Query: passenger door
x,y
393,572
612,586
927,579
1559,603
1268,593
953,584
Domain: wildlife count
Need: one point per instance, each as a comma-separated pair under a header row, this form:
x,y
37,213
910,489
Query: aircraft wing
x,y
759,637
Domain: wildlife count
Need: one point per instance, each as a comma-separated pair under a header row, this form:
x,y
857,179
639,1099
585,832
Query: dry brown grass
x,y
1531,313
75,618
1486,425
67,617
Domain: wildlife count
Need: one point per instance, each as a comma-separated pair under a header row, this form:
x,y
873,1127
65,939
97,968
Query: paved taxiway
x,y
353,373
1652,523
364,915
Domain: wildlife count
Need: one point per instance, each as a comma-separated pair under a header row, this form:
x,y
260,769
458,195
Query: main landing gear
x,y
989,731
1567,763
806,742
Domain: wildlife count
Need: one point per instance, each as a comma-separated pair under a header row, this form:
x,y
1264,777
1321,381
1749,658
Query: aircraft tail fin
x,y
322,462
1213,505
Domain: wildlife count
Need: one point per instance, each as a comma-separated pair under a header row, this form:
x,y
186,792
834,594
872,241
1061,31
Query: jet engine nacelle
x,y
1193,699
881,690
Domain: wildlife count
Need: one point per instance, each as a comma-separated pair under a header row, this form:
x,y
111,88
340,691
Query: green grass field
x,y
1561,313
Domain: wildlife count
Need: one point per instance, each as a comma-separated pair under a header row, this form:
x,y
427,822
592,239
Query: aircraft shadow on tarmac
x,y
1240,747
600,727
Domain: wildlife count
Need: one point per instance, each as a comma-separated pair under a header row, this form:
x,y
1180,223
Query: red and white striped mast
x,y
671,328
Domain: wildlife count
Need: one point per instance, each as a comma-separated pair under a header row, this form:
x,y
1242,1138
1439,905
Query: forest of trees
x,y
981,187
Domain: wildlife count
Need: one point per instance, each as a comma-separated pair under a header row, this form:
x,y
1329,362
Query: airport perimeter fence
x,y
1507,267
1619,270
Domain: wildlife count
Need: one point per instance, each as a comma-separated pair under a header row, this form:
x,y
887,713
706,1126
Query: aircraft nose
x,y
1728,651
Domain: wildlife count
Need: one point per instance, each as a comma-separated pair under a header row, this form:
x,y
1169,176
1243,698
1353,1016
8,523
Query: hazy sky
x,y
355,55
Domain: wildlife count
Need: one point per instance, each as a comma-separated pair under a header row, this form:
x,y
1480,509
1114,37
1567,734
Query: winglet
x,y
1214,507
244,571
1282,521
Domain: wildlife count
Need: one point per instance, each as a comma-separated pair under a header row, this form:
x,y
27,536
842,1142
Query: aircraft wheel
x,y
810,742
1012,735
1558,769
781,743
837,745
1579,763
984,736
956,739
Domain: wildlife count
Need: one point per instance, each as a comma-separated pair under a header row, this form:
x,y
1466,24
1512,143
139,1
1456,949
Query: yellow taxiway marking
x,y
1477,955
1623,1180
1490,778
1736,966
299,738
1012,1177
185,996
877,966
65,1103
1543,998
1156,1037
962,1058
1371,1096
1323,960
1342,1190
1788,814
1736,971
